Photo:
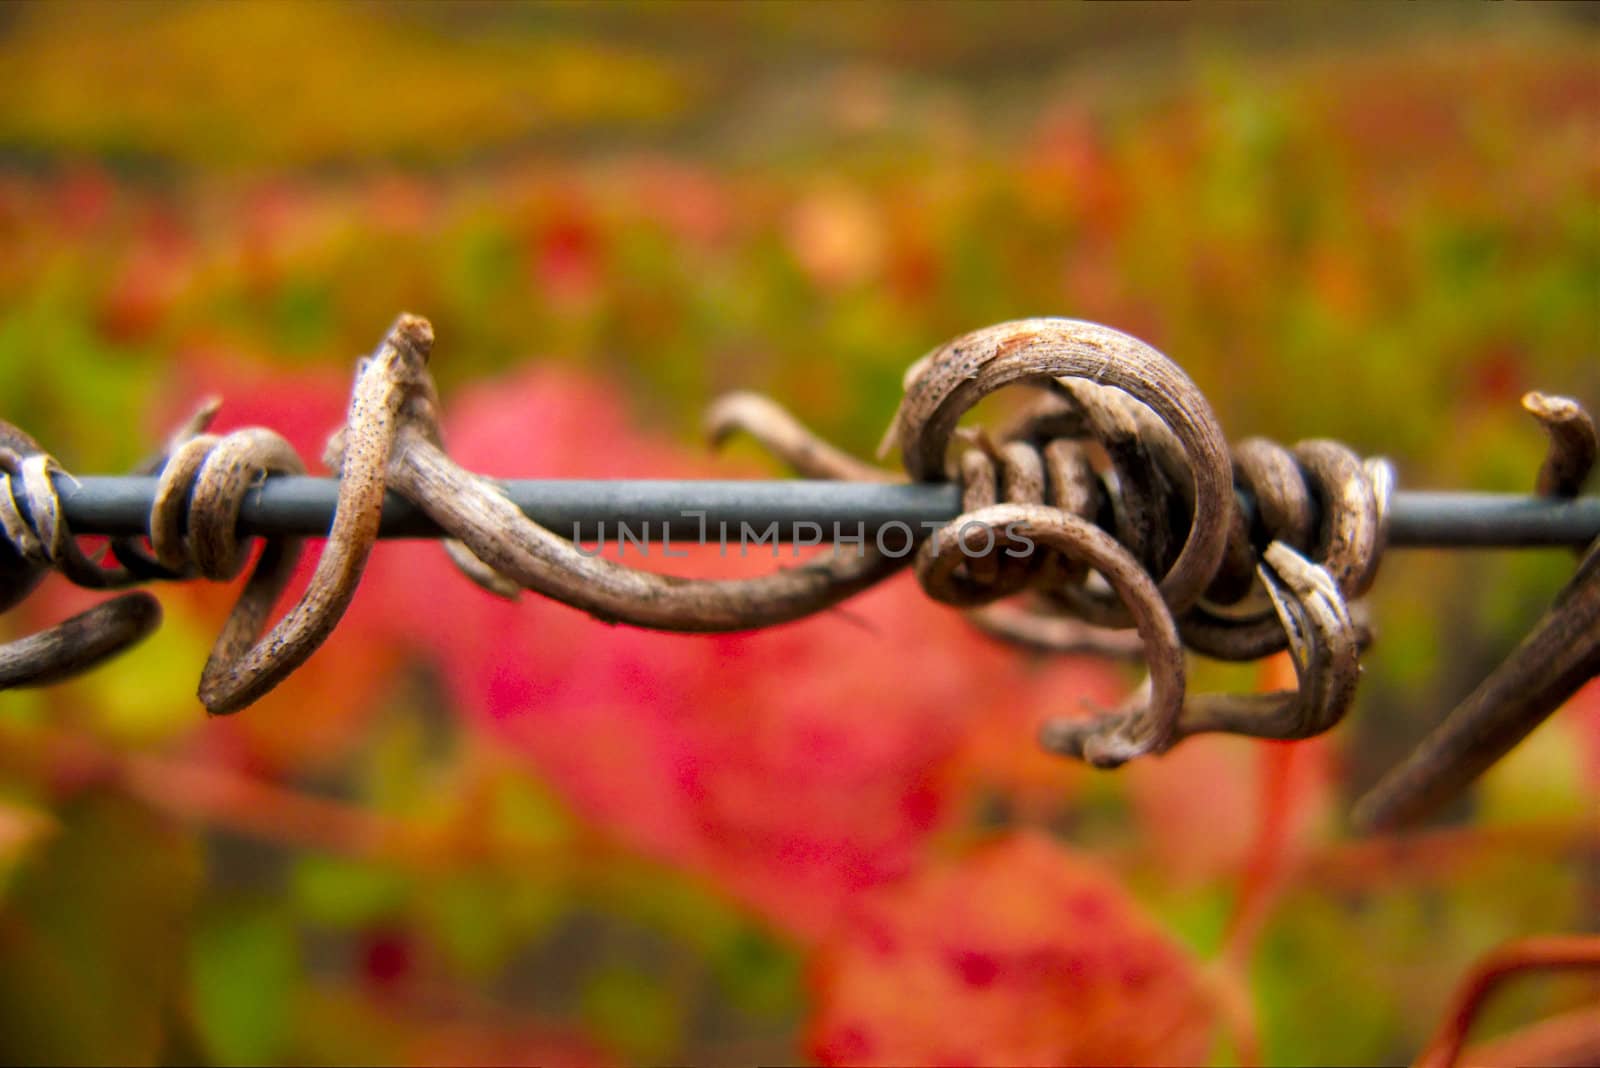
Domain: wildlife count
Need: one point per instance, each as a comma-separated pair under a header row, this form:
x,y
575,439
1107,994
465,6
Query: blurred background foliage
x,y
470,832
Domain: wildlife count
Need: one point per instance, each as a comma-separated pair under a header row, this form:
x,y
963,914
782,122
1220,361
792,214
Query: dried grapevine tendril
x,y
1101,519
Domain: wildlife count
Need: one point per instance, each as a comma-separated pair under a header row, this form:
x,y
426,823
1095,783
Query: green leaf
x,y
344,894
243,963
468,916
633,1011
758,973
91,938
526,810
1542,778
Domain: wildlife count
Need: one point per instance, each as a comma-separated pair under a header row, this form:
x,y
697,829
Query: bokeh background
x,y
477,832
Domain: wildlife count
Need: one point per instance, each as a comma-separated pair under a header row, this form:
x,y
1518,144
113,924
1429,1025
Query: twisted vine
x,y
1104,518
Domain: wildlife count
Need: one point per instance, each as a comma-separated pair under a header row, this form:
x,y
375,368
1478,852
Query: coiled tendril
x,y
1108,516
1118,437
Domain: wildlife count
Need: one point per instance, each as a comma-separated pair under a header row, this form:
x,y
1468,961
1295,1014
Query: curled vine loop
x,y
1152,726
38,540
1324,647
244,665
1114,435
1166,482
1078,359
1289,487
1108,515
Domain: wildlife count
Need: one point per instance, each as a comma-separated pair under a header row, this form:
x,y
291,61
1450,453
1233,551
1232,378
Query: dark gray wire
x,y
802,510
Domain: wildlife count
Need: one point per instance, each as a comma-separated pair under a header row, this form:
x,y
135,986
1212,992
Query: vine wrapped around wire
x,y
1102,518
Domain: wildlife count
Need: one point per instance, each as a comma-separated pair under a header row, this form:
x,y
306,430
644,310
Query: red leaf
x,y
567,254
1018,953
999,755
796,766
1584,711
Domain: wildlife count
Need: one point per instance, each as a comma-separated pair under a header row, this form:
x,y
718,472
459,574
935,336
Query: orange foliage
x,y
796,766
1019,953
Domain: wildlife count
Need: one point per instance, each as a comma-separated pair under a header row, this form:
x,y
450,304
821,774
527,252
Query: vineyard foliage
x,y
471,830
